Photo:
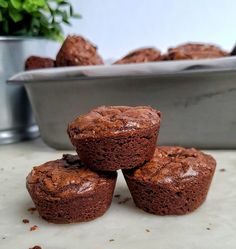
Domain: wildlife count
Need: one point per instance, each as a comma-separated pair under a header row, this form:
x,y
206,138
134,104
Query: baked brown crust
x,y
175,181
112,120
141,55
65,191
112,138
195,51
36,62
77,51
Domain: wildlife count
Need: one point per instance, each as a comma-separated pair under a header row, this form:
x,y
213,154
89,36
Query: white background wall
x,y
118,26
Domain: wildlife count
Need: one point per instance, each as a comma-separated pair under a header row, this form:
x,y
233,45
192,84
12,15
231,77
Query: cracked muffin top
x,y
172,165
64,178
114,120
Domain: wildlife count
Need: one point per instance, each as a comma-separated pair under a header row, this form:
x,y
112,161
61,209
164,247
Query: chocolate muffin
x,y
65,191
195,51
115,137
141,55
77,51
36,62
176,181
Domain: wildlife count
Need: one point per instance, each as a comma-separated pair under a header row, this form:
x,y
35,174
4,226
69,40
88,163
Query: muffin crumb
x,y
126,199
33,228
25,221
147,230
32,210
222,170
36,247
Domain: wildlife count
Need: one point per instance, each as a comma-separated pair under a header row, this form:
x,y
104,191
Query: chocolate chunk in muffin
x,y
115,137
77,51
36,62
65,191
195,51
176,181
141,55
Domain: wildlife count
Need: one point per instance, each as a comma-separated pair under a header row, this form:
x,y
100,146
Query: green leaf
x,y
76,15
58,12
35,23
64,16
5,26
44,21
60,2
3,3
33,5
63,3
21,32
67,22
71,10
15,15
17,4
40,3
35,17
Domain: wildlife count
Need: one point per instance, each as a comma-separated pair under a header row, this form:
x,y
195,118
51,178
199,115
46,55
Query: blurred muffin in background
x,y
77,51
195,51
36,62
141,55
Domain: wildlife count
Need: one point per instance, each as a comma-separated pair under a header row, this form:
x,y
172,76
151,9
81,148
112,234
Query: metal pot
x,y
16,118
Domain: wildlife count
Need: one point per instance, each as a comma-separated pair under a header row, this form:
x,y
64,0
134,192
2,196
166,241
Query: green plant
x,y
42,18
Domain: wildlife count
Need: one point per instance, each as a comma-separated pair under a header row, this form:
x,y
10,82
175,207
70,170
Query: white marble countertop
x,y
212,226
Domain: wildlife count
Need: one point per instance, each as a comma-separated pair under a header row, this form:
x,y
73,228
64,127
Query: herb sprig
x,y
40,18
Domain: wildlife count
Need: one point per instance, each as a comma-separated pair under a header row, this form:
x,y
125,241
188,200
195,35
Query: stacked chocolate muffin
x,y
162,180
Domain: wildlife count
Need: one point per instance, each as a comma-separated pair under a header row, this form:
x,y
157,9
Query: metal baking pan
x,y
198,102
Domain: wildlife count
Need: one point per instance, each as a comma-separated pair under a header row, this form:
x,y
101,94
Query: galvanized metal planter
x,y
16,122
